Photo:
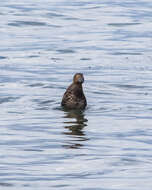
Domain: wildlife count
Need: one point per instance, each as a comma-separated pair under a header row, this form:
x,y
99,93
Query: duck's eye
x,y
80,79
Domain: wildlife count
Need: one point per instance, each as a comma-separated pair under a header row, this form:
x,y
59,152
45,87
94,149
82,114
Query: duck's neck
x,y
78,90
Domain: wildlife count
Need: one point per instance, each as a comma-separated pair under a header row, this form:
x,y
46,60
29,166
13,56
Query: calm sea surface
x,y
43,44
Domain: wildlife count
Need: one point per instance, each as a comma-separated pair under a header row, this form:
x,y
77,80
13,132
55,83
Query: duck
x,y
74,97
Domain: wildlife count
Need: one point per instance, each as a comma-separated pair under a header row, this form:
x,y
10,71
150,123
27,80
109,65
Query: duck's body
x,y
74,97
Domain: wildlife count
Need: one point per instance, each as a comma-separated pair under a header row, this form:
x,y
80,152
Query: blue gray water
x,y
109,145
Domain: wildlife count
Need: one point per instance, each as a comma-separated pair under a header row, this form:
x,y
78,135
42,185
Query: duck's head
x,y
78,78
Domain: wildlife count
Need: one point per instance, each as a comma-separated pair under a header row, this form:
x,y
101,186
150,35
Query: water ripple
x,y
26,23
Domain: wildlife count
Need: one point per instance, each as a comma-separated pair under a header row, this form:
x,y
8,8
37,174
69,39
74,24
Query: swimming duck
x,y
74,97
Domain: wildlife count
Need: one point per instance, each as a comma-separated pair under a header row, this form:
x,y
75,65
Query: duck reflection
x,y
75,126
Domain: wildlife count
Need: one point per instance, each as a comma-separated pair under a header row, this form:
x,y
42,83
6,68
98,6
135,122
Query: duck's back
x,y
74,97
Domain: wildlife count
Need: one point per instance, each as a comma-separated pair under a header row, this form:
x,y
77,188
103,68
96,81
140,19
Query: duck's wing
x,y
68,98
74,97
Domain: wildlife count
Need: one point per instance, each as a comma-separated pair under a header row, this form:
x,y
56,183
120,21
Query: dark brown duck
x,y
74,97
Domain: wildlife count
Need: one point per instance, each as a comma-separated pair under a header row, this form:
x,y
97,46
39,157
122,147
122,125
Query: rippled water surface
x,y
109,145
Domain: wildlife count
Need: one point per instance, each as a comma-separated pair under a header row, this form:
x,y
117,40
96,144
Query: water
x,y
106,147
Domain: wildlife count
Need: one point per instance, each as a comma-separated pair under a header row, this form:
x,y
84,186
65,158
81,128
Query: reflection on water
x,y
75,125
